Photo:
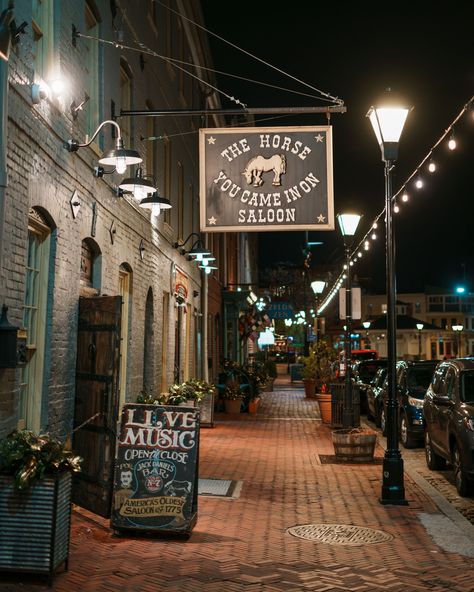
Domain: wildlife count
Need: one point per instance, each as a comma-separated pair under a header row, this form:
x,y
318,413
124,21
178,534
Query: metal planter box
x,y
35,523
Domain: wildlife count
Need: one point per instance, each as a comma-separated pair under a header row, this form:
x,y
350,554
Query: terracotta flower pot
x,y
324,401
232,405
309,388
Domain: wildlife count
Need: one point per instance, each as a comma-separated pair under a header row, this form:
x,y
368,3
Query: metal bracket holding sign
x,y
266,179
156,473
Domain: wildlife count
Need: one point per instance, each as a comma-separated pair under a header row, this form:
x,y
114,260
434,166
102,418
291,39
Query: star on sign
x,y
212,220
321,218
211,140
319,138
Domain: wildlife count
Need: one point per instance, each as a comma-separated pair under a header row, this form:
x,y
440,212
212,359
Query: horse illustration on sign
x,y
259,165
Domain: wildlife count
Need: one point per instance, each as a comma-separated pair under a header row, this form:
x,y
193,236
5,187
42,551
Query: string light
x,y
365,241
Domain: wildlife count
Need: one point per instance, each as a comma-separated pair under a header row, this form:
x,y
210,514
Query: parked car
x,y
413,379
363,373
449,421
374,395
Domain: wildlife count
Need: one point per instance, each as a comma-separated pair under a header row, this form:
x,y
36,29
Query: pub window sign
x,y
266,179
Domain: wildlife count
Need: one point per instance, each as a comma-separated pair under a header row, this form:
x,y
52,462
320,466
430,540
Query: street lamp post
x,y
419,326
318,287
366,325
348,224
387,121
458,329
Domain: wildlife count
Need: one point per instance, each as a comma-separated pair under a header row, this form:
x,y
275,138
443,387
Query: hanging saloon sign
x,y
266,179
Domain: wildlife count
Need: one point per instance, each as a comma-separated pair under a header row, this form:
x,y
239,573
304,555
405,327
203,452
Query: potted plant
x,y
35,487
318,368
232,396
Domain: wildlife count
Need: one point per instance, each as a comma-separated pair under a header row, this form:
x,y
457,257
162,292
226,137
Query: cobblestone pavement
x,y
243,544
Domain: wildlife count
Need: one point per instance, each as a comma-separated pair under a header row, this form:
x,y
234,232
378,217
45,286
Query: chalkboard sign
x,y
156,472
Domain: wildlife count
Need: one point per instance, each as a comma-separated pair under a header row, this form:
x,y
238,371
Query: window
x,y
42,26
92,80
444,324
125,101
164,341
90,268
34,321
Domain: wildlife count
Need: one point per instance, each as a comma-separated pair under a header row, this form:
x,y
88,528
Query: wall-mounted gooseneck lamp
x,y
119,157
155,203
139,185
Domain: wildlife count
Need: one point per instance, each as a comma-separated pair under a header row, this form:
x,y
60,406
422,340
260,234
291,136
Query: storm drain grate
x,y
339,534
217,487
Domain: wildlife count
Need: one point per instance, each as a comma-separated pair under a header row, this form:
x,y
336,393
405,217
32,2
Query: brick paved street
x,y
242,544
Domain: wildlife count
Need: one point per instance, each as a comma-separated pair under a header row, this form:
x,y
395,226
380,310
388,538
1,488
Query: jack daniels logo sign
x,y
156,472
266,179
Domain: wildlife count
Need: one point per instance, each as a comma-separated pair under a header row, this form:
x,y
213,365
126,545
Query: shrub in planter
x,y
35,494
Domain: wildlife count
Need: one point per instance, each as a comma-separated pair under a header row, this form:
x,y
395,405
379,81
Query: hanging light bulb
x,y
359,254
366,245
373,236
419,183
405,197
374,225
452,142
432,167
396,209
121,165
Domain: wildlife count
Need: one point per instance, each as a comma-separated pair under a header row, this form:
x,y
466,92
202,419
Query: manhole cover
x,y
339,534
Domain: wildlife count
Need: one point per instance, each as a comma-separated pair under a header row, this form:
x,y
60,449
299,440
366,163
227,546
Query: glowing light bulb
x,y
374,225
345,266
432,167
155,209
419,184
452,143
121,165
374,236
57,87
359,254
366,245
396,209
405,197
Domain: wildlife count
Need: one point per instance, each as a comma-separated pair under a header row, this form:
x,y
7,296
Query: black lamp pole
x,y
387,122
348,403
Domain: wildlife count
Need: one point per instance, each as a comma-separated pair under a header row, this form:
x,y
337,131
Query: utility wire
x,y
324,94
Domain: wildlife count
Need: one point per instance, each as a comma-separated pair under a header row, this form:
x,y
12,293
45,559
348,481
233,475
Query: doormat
x,y
219,488
328,459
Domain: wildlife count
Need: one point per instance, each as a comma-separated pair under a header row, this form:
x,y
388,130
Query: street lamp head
x,y
366,325
318,286
388,119
348,223
419,326
458,327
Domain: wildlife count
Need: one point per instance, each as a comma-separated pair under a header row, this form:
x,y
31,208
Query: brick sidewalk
x,y
242,544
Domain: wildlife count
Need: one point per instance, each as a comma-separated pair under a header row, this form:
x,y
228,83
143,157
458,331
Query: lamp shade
x,y
120,157
139,186
388,120
348,223
198,251
155,203
366,325
318,286
419,326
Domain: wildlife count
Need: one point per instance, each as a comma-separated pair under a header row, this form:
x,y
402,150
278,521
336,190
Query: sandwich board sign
x,y
156,471
266,179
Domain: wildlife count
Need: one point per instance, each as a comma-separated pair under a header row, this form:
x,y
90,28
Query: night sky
x,y
427,57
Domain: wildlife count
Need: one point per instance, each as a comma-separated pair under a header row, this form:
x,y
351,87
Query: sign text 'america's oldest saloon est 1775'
x,y
269,178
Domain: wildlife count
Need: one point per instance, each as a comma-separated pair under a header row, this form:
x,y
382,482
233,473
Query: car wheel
x,y
463,484
433,460
405,437
383,421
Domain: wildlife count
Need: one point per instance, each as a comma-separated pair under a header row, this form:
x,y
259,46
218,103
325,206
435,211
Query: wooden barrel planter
x,y
324,402
354,445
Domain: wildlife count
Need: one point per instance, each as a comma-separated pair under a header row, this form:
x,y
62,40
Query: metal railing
x,y
337,403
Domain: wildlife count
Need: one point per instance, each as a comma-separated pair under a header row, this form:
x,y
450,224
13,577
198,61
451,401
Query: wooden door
x,y
96,402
